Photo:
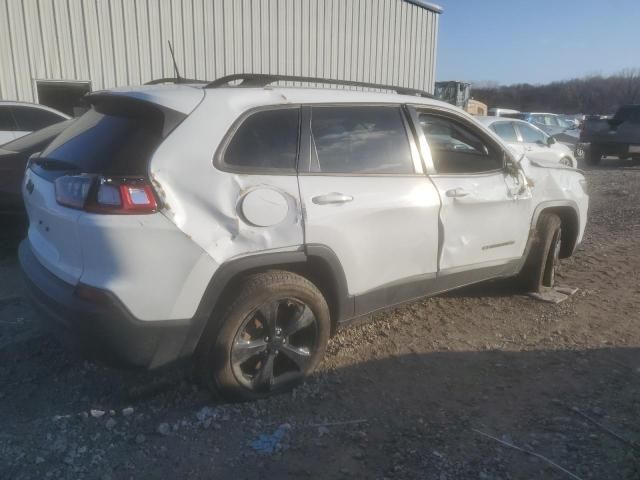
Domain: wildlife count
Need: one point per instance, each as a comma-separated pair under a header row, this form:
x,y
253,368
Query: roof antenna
x,y
179,79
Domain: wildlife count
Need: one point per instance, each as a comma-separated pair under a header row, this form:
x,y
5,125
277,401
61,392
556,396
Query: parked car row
x,y
241,225
563,128
618,136
525,139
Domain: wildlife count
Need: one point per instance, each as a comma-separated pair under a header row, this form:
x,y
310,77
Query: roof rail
x,y
262,80
158,81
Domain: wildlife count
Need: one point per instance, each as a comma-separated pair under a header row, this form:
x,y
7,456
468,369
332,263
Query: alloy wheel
x,y
274,345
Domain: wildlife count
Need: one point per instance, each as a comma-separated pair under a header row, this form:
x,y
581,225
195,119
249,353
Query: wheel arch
x,y
568,213
317,263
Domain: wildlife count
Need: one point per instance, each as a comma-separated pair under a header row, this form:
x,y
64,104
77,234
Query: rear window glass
x,y
109,142
266,140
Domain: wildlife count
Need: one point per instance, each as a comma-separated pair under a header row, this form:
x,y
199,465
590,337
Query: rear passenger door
x,y
485,211
365,196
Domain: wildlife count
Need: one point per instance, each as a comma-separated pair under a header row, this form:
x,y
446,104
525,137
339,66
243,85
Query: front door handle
x,y
332,199
456,193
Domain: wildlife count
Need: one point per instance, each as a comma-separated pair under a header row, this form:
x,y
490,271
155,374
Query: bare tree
x,y
591,94
630,85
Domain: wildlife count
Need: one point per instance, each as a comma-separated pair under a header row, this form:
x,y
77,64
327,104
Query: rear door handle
x,y
456,193
332,199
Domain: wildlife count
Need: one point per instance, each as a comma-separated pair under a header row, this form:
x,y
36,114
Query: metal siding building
x,y
110,43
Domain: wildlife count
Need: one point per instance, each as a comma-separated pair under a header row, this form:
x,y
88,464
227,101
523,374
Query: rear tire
x,y
541,264
272,335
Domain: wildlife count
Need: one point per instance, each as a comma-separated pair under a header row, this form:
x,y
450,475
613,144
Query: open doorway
x,y
65,96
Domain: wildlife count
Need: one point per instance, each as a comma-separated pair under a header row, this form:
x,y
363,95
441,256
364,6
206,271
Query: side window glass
x,y
531,134
6,120
505,131
457,149
266,140
31,119
550,121
365,140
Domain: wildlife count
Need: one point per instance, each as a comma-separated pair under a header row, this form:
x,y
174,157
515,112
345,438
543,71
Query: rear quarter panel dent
x,y
203,201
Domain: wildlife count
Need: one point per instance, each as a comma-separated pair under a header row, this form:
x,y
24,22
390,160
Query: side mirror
x,y
551,141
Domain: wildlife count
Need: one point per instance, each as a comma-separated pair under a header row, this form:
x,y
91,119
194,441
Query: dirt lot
x,y
403,396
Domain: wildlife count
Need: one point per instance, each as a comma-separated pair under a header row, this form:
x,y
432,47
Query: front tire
x,y
273,334
540,267
567,162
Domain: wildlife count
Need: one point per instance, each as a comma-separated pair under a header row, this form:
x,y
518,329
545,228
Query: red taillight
x,y
123,195
99,194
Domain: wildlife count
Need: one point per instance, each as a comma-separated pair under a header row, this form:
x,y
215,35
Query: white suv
x,y
244,223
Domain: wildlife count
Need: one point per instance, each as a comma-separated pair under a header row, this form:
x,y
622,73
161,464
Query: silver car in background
x,y
524,138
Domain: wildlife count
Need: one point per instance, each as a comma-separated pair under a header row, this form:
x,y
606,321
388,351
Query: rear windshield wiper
x,y
51,164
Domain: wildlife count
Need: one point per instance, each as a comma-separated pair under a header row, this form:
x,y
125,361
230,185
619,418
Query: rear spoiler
x,y
127,105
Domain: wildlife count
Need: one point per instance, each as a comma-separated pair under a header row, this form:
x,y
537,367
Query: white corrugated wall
x,y
124,42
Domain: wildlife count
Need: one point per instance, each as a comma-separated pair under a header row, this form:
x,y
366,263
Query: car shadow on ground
x,y
13,228
418,414
505,287
611,163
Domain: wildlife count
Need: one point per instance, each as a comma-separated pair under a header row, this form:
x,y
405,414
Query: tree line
x,y
590,95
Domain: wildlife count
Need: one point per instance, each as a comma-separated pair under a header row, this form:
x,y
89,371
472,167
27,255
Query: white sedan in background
x,y
18,119
524,138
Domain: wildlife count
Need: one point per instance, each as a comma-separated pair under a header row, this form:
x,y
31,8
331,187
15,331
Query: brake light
x,y
125,195
99,194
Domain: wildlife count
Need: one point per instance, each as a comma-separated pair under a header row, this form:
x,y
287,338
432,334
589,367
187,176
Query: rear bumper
x,y
98,323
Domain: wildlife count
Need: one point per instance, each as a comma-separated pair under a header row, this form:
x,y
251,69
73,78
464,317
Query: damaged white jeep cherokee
x,y
242,224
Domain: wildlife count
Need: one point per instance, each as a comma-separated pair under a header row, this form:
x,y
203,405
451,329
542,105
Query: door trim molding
x,y
427,285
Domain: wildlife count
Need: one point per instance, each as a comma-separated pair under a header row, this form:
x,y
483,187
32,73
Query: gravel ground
x,y
405,395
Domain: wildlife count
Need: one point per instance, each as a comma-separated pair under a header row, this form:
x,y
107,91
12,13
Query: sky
x,y
536,41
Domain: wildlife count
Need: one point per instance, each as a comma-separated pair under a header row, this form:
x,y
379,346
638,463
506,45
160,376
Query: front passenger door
x,y
485,212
